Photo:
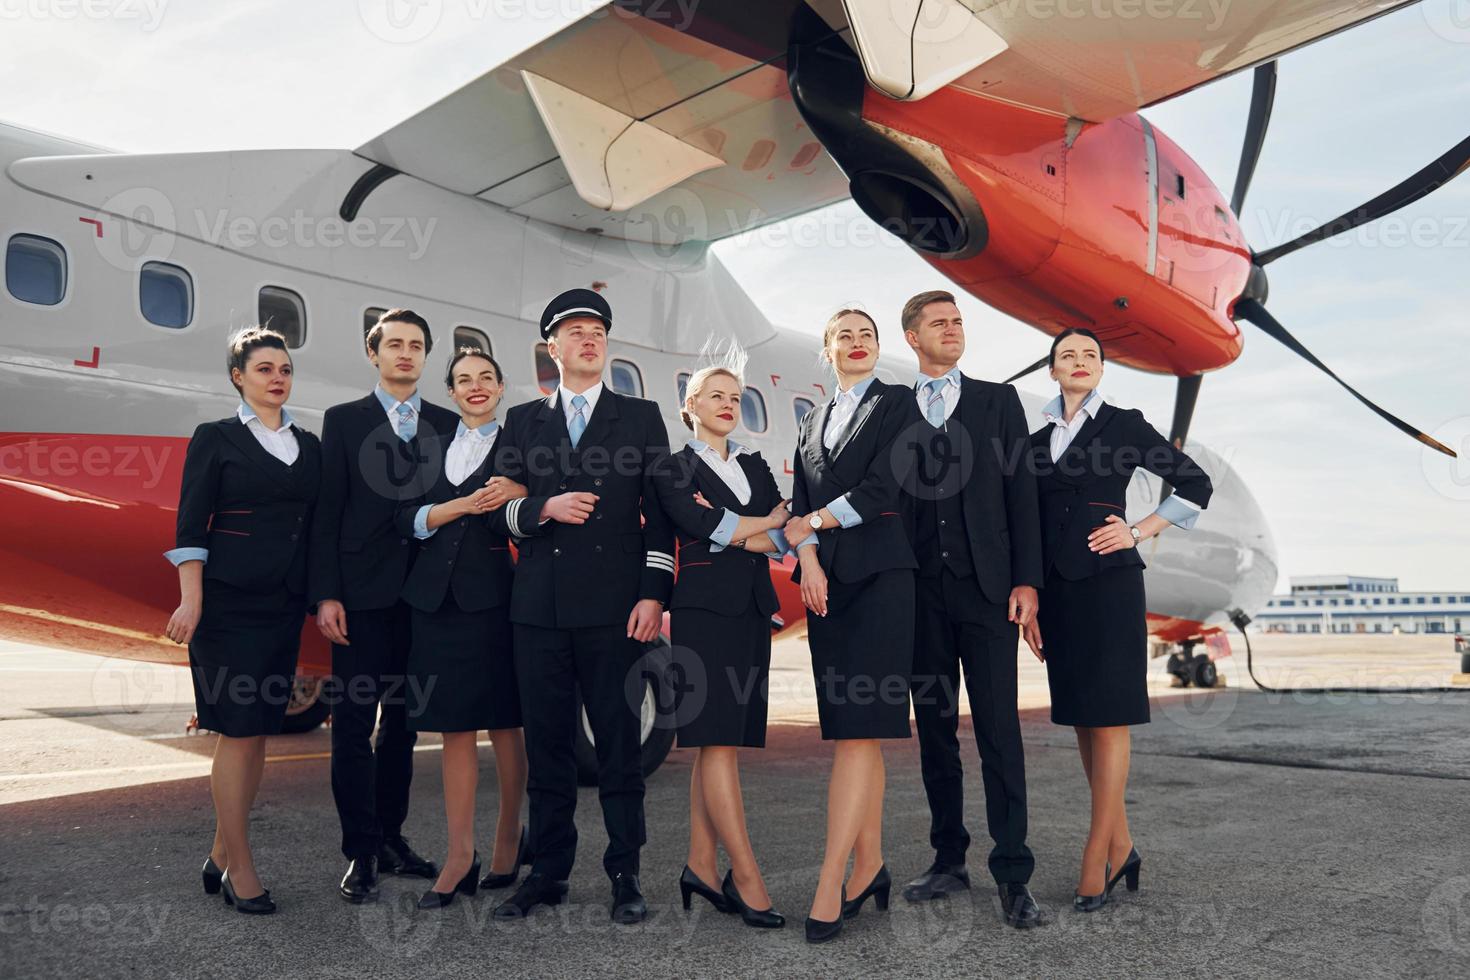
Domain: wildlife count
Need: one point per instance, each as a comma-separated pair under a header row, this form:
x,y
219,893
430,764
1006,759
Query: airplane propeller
x,y
1251,304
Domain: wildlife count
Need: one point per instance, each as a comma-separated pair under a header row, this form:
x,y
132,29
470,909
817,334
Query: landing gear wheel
x,y
1203,672
655,729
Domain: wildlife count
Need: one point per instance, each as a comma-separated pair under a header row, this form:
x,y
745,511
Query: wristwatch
x,y
1137,536
815,520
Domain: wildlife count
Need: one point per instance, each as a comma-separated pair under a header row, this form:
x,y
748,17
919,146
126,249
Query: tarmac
x,y
1310,835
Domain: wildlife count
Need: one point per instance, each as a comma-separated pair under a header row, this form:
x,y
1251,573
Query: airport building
x,y
1354,604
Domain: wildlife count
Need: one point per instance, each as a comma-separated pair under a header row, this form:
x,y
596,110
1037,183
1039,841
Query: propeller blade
x,y
1027,370
1449,166
1249,309
1263,96
1185,396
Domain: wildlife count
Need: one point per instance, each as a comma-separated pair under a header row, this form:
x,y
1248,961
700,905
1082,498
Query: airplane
x,y
1004,148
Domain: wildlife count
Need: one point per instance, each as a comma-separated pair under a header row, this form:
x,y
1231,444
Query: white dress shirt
x,y
468,450
843,406
570,410
728,470
280,443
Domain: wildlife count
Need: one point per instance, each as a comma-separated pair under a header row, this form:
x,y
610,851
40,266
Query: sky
x,y
1388,307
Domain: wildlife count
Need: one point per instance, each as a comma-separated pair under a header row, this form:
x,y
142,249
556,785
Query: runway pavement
x,y
1300,835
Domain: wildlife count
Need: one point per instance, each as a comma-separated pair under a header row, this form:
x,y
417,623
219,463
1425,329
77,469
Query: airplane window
x,y
35,270
627,379
682,381
471,337
802,406
547,373
283,310
166,295
753,410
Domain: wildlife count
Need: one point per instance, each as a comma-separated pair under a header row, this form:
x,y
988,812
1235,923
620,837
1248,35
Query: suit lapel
x,y
715,489
1076,451
551,423
864,409
246,442
603,416
823,415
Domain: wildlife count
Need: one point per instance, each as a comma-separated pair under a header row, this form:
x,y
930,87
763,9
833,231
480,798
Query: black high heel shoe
x,y
1129,870
468,885
819,931
879,888
523,856
691,884
759,918
1091,903
212,876
259,905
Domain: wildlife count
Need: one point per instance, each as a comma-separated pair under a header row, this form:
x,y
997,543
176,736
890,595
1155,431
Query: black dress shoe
x,y
1017,906
212,876
467,885
259,905
691,884
767,918
536,890
628,906
523,857
821,931
395,857
360,883
878,888
940,880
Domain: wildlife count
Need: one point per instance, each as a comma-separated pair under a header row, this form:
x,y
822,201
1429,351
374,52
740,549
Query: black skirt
x,y
863,656
461,675
242,658
724,663
1094,634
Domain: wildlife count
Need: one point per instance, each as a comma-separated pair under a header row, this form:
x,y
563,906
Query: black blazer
x,y
862,463
720,581
252,511
358,557
466,555
997,488
571,576
1090,481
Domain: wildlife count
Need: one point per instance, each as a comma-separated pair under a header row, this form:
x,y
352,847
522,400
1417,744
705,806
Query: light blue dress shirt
x,y
474,445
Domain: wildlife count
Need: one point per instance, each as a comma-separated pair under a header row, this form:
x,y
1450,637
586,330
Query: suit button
x,y
597,548
556,551
300,519
942,523
941,489
597,482
561,486
403,541
944,554
597,517
293,537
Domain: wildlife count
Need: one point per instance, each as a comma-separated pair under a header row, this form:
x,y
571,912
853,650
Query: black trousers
x,y
955,625
370,778
551,664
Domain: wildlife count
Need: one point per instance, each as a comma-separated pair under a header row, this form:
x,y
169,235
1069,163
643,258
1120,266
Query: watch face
x,y
815,521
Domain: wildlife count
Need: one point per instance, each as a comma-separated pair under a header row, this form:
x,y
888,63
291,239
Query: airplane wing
x,y
665,121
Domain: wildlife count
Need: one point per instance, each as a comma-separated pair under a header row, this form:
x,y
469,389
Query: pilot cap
x,y
575,302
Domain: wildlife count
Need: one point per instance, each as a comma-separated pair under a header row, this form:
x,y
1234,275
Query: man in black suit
x,y
359,560
971,510
594,572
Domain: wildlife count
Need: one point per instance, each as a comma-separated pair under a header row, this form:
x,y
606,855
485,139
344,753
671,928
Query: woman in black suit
x,y
245,507
728,514
856,569
1091,615
461,674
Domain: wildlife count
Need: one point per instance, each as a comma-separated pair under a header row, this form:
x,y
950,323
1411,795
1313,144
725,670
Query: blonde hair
x,y
696,384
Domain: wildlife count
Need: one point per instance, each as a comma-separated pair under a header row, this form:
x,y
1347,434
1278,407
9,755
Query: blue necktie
x,y
579,421
406,424
935,410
